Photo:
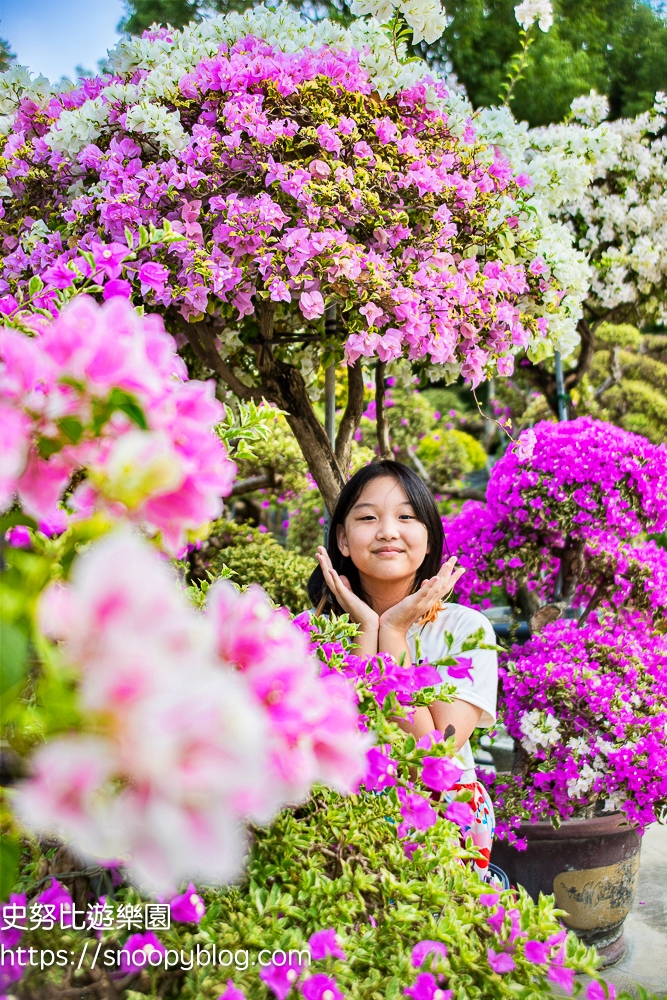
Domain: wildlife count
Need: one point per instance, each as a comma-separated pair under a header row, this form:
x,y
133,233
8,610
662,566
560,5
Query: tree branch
x,y
542,379
252,483
569,571
381,424
351,417
283,384
596,598
462,493
587,334
202,341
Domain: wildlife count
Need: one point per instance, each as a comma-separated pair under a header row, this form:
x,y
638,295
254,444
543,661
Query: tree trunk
x,y
352,416
542,379
381,424
283,384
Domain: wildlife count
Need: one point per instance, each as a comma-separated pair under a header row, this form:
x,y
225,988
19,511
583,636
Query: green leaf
x,y
10,852
473,640
72,428
35,285
393,989
120,400
47,447
13,655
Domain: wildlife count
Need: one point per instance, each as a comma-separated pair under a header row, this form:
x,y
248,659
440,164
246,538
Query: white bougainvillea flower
x,y
530,11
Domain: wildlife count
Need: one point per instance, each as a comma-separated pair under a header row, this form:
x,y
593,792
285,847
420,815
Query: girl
x,y
383,567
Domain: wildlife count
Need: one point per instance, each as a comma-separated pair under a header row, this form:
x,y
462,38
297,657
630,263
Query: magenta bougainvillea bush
x,y
565,521
587,707
563,532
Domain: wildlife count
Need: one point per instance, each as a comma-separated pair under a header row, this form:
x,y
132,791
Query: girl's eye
x,y
407,517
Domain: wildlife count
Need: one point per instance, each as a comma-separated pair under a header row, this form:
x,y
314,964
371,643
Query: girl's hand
x,y
399,618
358,610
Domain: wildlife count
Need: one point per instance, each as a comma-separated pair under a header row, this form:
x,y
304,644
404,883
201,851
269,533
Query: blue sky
x,y
53,36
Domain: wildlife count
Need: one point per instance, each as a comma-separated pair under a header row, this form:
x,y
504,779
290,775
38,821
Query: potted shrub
x,y
563,533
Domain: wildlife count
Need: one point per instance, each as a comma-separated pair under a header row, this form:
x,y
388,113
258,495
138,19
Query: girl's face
x,y
381,534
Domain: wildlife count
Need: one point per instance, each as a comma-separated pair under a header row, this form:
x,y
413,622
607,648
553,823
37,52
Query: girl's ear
x,y
342,541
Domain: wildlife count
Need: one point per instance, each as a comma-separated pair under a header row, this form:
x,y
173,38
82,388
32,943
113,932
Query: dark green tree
x,y
142,13
617,47
7,57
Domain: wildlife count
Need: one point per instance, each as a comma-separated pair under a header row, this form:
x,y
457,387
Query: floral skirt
x,y
482,823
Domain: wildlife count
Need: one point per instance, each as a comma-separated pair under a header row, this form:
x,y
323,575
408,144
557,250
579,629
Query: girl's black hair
x,y
425,510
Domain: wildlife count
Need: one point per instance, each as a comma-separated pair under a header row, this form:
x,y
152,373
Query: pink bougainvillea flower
x,y
58,896
537,952
324,943
141,951
10,969
562,976
381,769
459,813
312,718
281,978
311,304
188,908
425,948
600,991
417,812
525,446
15,429
232,992
186,735
155,458
500,962
117,287
425,987
440,773
19,536
320,987
461,670
496,920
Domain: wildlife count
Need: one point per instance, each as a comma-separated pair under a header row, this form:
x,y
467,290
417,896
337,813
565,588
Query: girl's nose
x,y
388,528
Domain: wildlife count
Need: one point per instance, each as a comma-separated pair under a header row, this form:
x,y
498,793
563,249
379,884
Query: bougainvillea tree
x,y
308,174
606,182
563,538
563,521
586,707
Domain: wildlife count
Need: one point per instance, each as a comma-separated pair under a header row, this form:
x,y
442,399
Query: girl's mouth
x,y
388,552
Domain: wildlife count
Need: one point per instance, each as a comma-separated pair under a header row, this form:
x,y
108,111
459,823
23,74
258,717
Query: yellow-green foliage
x,y
306,523
278,452
449,454
254,556
410,415
627,381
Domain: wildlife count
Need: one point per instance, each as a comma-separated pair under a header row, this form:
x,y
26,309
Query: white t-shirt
x,y
482,690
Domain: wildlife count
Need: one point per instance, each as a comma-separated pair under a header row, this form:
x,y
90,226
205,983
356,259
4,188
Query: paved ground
x,y
646,925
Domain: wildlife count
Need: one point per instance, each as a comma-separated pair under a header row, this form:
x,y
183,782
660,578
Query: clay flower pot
x,y
590,865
